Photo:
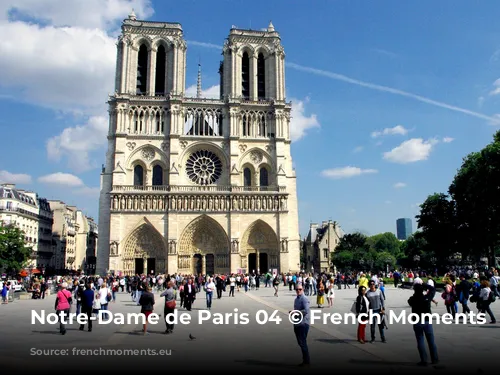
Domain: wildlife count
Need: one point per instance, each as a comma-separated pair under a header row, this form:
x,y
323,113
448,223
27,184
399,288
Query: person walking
x,y
232,284
301,308
376,299
170,305
362,306
276,285
62,306
86,305
485,299
421,304
189,294
147,302
463,290
209,290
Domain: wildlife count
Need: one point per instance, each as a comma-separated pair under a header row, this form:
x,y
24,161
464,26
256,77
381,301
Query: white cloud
x,y
102,14
496,90
448,139
88,192
300,123
65,60
346,172
14,178
358,149
77,142
397,130
410,151
212,92
387,202
63,179
480,101
399,185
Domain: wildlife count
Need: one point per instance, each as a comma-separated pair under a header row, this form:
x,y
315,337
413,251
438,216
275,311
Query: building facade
x,y
319,245
403,228
196,185
64,232
32,215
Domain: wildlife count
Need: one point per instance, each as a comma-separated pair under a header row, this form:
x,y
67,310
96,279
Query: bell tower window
x,y
261,77
247,177
161,57
142,70
264,177
245,76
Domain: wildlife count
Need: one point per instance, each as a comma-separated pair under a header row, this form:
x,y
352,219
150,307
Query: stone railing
x,y
178,202
199,188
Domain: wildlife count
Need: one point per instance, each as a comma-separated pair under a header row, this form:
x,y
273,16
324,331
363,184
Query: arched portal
x,y
204,246
144,251
260,248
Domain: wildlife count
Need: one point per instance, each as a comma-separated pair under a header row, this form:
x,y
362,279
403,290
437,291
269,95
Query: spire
x,y
132,15
198,85
270,28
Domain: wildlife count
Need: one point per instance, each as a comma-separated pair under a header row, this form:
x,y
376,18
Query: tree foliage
x,y
13,250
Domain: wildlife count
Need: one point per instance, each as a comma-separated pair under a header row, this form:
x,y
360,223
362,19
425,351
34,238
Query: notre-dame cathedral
x,y
197,185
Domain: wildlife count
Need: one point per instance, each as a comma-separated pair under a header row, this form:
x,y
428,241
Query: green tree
x,y
385,242
13,250
383,260
475,190
438,222
352,252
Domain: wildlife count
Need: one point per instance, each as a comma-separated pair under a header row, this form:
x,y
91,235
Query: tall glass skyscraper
x,y
403,227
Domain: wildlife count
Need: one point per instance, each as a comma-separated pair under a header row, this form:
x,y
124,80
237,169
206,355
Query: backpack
x,y
491,297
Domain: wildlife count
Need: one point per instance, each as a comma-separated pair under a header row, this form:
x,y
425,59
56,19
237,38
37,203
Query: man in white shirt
x,y
232,283
209,289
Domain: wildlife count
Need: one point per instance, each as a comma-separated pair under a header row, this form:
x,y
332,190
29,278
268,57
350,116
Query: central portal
x,y
151,263
203,248
197,264
252,262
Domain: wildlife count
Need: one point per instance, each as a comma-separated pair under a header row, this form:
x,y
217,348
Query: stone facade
x,y
196,185
320,243
33,216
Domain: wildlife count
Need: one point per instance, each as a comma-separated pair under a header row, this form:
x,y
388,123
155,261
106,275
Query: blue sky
x,y
388,96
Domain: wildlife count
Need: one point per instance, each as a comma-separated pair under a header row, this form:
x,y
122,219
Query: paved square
x,y
269,347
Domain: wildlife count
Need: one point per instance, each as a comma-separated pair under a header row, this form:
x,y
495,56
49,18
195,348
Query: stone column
x,y
150,88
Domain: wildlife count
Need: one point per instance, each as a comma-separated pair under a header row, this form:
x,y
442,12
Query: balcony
x,y
198,199
198,189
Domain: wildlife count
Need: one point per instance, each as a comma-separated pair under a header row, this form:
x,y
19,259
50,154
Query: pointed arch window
x,y
142,70
261,77
247,177
157,175
138,175
264,178
161,57
245,76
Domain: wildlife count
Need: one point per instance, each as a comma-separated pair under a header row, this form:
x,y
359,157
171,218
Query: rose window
x,y
204,167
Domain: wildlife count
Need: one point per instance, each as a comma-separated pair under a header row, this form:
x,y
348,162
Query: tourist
x,y
320,299
276,285
104,297
63,306
421,304
330,294
170,305
463,290
147,303
189,294
362,306
363,281
87,300
376,299
486,297
301,305
232,284
209,290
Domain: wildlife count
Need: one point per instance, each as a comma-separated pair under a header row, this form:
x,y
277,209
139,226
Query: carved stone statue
x,y
113,249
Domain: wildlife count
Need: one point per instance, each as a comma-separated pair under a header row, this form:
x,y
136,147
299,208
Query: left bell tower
x,y
149,86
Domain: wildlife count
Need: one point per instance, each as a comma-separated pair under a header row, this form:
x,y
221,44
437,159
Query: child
x,y
382,287
96,305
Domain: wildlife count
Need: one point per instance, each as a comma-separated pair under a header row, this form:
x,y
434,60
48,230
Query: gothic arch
x,y
259,237
137,156
248,49
264,50
141,39
203,237
246,158
144,242
165,42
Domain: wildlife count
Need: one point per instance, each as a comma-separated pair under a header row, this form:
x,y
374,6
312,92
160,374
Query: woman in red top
x,y
63,305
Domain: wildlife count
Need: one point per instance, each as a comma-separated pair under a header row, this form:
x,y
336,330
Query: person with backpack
x,y
486,298
449,299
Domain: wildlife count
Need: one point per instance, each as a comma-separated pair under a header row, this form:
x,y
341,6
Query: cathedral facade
x,y
197,185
